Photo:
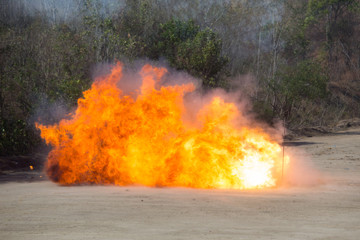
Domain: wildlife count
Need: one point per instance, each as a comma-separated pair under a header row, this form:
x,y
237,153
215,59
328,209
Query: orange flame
x,y
117,139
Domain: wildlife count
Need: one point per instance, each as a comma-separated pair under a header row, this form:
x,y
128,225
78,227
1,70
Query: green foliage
x,y
73,56
264,111
201,56
194,50
295,49
172,34
17,136
322,7
305,81
137,18
296,43
42,61
38,61
138,28
330,12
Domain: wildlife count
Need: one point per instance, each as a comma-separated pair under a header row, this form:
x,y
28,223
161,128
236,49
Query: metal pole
x,y
283,160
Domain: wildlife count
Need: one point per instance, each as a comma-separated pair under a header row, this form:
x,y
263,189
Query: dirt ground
x,y
32,207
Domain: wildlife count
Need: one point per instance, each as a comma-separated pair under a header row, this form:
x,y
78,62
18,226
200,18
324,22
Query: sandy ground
x,y
31,208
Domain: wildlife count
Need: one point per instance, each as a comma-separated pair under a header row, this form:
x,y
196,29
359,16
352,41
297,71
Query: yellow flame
x,y
117,139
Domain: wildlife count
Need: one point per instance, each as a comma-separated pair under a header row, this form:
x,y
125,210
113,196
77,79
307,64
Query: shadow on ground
x,y
296,144
350,133
28,168
22,176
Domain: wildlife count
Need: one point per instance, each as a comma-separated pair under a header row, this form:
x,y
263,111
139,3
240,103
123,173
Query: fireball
x,y
114,138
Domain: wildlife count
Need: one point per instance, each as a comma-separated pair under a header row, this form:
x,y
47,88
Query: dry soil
x,y
31,208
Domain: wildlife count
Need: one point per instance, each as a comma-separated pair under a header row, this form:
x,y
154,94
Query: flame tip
x,y
114,138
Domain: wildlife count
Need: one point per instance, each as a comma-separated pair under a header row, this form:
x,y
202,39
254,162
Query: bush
x,y
305,81
17,137
196,51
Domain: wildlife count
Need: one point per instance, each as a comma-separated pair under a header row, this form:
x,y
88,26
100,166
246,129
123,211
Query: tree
x,y
295,84
197,51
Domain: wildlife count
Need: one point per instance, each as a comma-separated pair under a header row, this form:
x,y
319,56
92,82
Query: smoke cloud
x,y
150,126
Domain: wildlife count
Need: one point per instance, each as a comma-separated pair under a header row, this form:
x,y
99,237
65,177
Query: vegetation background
x,y
302,56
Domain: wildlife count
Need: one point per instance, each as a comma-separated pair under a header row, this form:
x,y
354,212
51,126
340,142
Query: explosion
x,y
114,138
